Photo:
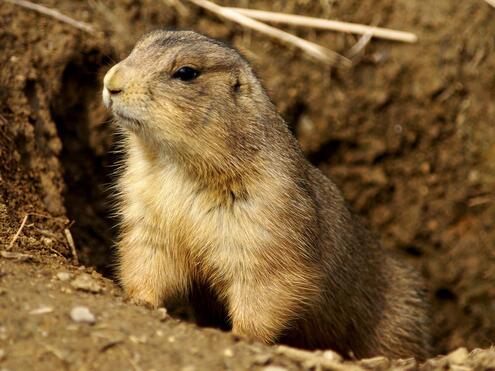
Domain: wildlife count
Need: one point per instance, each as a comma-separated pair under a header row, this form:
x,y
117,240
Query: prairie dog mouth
x,y
124,116
107,100
118,110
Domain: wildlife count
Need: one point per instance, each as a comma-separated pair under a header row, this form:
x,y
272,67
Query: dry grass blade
x,y
359,47
54,14
316,51
299,20
491,2
23,223
72,245
16,256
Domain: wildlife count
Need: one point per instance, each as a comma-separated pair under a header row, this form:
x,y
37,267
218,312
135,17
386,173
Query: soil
x,y
407,133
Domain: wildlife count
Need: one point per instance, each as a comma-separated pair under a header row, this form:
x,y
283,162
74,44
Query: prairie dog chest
x,y
173,211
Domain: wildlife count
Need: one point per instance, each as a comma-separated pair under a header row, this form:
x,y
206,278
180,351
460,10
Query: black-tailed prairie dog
x,y
215,194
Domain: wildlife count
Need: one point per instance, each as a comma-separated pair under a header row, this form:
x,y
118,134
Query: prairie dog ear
x,y
239,82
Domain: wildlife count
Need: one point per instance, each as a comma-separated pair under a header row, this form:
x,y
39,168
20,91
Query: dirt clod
x,y
375,363
458,356
262,359
85,282
64,276
162,314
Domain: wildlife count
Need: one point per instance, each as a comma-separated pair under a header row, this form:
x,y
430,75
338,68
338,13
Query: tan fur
x,y
215,191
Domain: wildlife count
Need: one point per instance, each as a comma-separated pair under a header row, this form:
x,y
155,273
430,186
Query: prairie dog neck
x,y
235,181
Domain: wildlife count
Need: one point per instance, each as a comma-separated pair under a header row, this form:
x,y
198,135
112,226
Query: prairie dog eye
x,y
185,74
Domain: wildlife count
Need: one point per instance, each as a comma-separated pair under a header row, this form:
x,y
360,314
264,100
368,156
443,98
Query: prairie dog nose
x,y
113,80
113,84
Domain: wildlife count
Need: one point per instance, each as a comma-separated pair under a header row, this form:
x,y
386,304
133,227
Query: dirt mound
x,y
407,134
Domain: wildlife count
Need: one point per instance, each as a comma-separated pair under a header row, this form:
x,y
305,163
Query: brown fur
x,y
215,193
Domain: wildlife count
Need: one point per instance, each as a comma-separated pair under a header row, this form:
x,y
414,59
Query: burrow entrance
x,y
88,158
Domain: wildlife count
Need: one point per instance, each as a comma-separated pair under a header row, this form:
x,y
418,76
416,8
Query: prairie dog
x,y
215,192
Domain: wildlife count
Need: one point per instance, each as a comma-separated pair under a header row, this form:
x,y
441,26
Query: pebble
x,y
81,314
46,241
3,333
274,368
85,282
162,314
66,290
332,356
405,364
228,353
375,362
63,276
458,356
138,339
262,359
3,354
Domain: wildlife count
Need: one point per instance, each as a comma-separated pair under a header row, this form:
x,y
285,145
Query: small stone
x,y
3,355
425,167
46,241
474,176
3,333
159,333
82,315
138,339
171,339
85,282
162,314
274,368
262,359
66,290
405,364
31,241
228,353
375,362
332,356
458,356
63,276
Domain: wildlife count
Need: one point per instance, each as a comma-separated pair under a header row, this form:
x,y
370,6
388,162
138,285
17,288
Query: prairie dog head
x,y
190,95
